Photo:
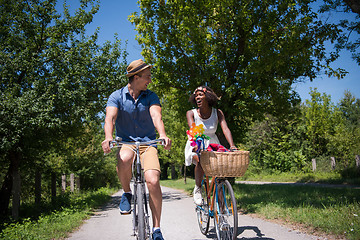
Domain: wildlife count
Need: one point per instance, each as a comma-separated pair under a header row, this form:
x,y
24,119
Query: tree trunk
x,y
184,174
333,163
72,182
174,174
164,171
7,185
63,183
16,190
53,186
37,186
313,164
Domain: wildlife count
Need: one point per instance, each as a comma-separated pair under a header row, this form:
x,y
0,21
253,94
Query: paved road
x,y
178,223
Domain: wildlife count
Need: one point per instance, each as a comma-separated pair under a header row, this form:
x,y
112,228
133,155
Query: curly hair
x,y
210,96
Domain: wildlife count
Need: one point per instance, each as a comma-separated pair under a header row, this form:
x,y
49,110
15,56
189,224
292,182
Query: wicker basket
x,y
225,164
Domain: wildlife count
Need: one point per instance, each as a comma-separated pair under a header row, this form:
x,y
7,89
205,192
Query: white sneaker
x,y
197,195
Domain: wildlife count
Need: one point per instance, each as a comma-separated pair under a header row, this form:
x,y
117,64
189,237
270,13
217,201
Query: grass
x,y
334,211
66,214
331,177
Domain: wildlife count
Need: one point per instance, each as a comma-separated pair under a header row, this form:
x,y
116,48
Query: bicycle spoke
x,y
225,211
203,210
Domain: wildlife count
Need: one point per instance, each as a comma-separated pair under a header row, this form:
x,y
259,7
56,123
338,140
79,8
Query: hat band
x,y
138,68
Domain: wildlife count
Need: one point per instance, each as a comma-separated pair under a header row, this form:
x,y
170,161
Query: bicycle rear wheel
x,y
226,218
202,211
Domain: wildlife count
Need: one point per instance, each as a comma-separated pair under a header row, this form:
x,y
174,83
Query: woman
x,y
205,99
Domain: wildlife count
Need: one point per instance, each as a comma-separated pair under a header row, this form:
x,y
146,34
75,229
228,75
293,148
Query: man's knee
x,y
152,178
125,157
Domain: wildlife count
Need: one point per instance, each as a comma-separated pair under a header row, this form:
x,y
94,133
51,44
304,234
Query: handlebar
x,y
118,142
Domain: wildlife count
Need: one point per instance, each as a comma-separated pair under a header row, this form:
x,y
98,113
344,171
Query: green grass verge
x,y
56,224
334,211
316,177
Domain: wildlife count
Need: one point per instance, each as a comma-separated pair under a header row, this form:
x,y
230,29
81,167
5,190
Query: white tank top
x,y
210,125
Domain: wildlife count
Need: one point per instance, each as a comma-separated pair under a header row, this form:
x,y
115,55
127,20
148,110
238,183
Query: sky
x,y
113,18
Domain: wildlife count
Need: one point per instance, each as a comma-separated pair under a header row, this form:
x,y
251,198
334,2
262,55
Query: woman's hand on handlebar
x,y
233,148
106,145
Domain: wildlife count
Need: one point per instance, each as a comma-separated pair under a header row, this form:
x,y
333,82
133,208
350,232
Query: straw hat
x,y
136,67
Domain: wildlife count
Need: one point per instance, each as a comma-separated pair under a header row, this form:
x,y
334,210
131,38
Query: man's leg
x,y
155,195
123,168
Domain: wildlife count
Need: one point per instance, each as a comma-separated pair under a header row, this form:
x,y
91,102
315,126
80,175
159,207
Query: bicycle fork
x,y
223,224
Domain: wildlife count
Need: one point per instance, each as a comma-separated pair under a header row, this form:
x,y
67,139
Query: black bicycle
x,y
140,210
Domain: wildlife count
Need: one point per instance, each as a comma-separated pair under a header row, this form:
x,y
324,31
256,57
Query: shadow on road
x,y
172,196
113,203
256,230
167,197
259,236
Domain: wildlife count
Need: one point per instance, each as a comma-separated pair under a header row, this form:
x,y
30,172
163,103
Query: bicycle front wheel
x,y
141,233
202,211
225,217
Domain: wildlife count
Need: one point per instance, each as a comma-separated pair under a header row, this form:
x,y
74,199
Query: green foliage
x,y
349,27
175,126
275,144
53,77
72,210
321,117
321,130
54,81
249,52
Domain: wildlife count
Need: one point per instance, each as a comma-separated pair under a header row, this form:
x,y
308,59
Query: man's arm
x,y
111,114
155,113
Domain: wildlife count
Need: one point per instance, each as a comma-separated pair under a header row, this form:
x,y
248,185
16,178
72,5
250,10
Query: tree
x,y
53,80
350,106
249,52
349,34
345,142
277,144
321,118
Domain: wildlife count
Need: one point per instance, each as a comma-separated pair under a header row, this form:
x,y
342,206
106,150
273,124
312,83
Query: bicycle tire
x,y
225,211
202,211
141,232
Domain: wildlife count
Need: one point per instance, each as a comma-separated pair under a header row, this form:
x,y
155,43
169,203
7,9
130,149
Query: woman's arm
x,y
190,117
225,129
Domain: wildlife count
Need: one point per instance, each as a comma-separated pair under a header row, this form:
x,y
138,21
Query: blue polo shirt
x,y
133,122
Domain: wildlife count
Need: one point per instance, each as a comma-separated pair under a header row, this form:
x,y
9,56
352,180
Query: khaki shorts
x,y
148,156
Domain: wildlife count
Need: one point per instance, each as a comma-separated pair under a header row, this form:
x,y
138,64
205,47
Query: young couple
x,y
135,113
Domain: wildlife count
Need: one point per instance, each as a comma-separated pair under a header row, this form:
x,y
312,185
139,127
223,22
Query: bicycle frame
x,y
211,189
141,218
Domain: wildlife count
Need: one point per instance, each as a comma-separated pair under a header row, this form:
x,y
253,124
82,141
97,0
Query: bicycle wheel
x,y
226,218
147,216
141,233
202,211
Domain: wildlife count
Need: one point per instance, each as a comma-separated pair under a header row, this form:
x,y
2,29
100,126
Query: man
x,y
136,113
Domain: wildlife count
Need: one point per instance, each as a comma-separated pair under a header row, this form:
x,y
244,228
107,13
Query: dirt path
x,y
178,223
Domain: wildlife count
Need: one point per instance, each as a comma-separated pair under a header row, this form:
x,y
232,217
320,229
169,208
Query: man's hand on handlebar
x,y
106,145
167,142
